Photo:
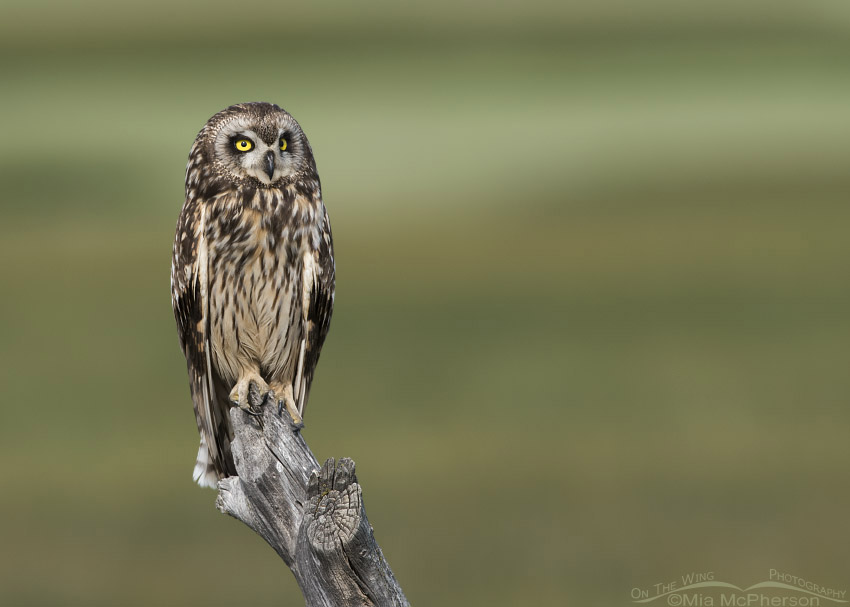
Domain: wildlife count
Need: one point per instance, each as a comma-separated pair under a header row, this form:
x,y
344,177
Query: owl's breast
x,y
255,283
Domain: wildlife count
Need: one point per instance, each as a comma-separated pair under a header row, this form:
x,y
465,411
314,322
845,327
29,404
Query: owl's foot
x,y
239,396
285,400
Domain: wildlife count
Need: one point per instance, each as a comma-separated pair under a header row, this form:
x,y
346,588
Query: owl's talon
x,y
285,400
293,413
240,395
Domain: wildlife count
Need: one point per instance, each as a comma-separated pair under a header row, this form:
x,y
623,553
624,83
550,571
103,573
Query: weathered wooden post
x,y
312,516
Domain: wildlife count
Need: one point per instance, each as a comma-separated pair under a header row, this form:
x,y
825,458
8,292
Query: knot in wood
x,y
333,512
336,517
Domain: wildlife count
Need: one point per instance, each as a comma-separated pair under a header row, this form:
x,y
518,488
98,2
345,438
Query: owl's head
x,y
254,144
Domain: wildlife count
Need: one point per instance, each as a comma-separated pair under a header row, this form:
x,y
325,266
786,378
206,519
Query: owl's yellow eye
x,y
244,145
282,144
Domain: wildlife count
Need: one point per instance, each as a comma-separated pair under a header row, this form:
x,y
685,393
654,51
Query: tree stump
x,y
313,517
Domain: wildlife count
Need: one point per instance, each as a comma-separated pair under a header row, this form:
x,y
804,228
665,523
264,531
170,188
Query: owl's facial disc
x,y
265,153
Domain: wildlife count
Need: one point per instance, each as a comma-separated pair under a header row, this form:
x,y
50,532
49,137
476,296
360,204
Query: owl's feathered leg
x,y
285,400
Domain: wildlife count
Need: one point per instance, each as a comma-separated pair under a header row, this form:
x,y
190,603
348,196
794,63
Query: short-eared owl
x,y
252,274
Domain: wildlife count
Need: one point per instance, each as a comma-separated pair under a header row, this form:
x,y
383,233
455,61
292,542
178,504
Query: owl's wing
x,y
189,298
319,276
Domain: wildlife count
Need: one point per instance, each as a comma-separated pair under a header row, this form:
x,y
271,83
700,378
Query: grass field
x,y
591,325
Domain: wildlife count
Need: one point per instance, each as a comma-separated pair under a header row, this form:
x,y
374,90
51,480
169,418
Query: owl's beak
x,y
269,164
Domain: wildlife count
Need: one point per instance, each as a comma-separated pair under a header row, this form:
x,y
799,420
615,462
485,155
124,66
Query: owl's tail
x,y
204,473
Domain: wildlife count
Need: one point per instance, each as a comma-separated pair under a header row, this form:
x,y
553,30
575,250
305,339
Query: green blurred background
x,y
591,325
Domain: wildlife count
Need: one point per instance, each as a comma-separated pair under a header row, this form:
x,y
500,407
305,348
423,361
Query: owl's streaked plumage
x,y
252,275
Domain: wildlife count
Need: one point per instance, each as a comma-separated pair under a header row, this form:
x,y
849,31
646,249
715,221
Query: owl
x,y
252,274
